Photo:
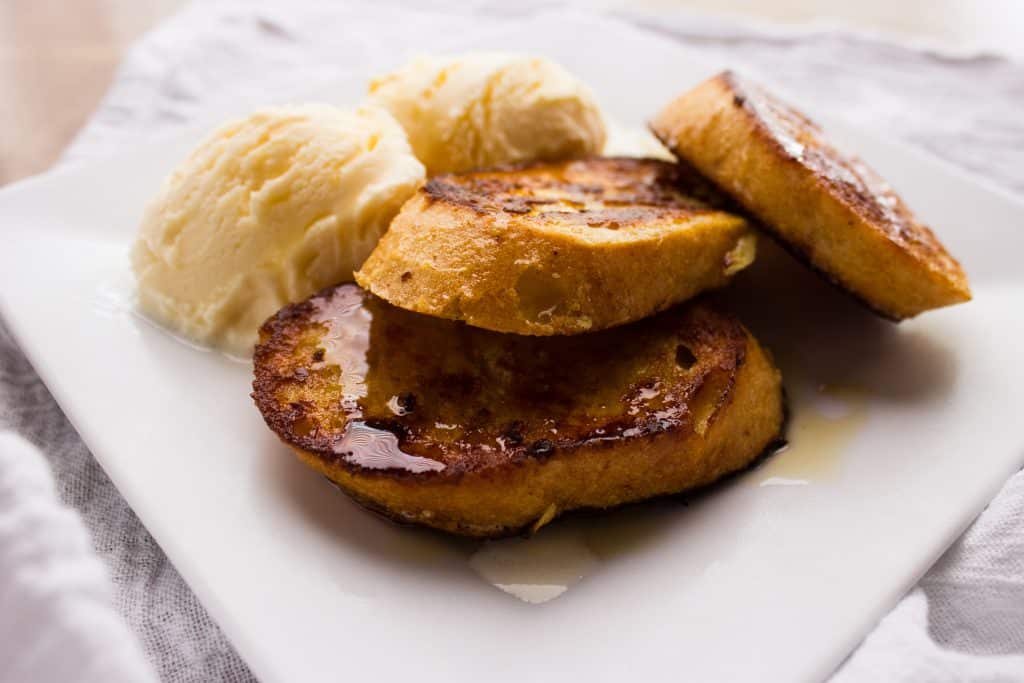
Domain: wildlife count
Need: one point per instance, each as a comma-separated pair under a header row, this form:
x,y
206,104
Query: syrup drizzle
x,y
345,344
827,421
377,449
545,566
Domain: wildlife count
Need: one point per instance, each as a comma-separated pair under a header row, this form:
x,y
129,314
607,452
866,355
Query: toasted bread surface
x,y
557,248
436,423
828,208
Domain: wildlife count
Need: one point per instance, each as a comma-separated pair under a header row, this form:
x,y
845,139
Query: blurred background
x,y
57,57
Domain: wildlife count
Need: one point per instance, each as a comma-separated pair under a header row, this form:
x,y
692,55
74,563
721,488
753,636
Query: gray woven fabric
x,y
175,631
965,110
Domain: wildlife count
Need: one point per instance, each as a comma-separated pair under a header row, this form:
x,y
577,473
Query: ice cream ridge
x,y
485,109
268,210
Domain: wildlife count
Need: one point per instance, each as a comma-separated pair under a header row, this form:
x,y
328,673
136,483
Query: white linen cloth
x,y
965,621
58,622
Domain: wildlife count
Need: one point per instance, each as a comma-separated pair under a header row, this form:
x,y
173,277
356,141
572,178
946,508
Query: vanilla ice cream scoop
x,y
266,211
486,109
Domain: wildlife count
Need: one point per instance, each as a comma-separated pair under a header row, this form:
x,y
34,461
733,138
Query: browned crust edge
x,y
279,332
528,529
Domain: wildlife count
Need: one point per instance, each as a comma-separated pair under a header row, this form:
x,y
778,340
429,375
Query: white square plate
x,y
901,434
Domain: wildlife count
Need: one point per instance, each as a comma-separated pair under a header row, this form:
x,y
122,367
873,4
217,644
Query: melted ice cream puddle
x,y
536,569
117,296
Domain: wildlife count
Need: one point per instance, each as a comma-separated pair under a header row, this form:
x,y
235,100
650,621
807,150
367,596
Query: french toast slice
x,y
557,248
828,208
437,423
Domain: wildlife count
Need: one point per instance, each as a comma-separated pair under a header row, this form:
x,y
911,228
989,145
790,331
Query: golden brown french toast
x,y
828,208
557,248
437,423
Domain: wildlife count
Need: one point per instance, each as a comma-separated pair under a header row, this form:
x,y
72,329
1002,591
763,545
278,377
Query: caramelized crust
x,y
563,248
826,207
436,423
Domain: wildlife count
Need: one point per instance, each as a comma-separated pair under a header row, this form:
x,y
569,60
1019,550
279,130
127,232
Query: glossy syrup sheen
x,y
345,345
419,393
406,375
828,419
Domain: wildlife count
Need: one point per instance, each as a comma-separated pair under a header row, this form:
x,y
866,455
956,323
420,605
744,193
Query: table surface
x,y
57,58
